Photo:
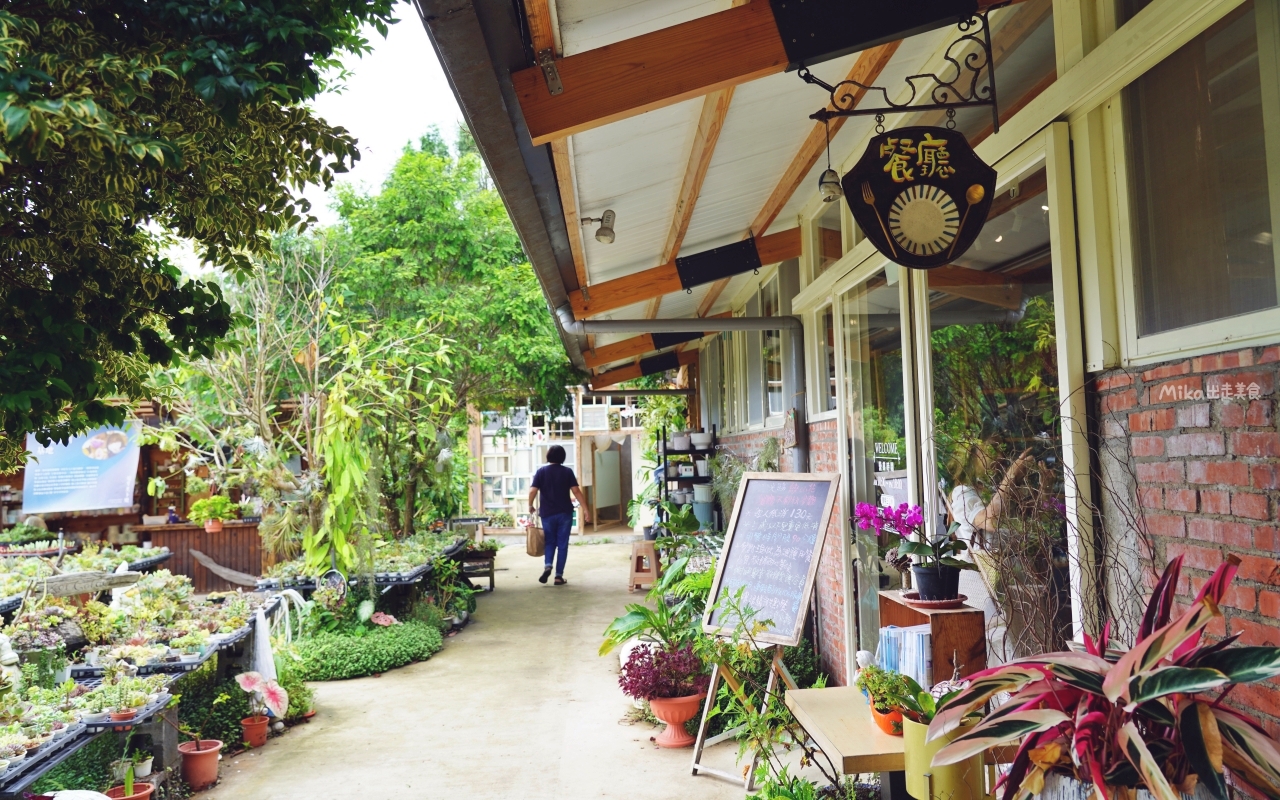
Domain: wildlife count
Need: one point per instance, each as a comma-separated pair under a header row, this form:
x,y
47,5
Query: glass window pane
x,y
827,360
830,243
876,422
1201,213
997,430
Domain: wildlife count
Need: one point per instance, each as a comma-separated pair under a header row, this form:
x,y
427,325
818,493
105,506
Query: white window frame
x,y
1243,330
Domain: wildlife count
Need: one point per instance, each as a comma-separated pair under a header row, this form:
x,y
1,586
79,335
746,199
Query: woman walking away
x,y
556,481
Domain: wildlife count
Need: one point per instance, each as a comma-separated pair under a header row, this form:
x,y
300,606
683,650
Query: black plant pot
x,y
650,534
937,583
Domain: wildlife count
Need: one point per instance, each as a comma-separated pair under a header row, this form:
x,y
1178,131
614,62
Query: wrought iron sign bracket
x,y
973,84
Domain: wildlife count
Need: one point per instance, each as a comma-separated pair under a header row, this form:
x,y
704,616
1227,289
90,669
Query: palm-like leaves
x,y
1142,721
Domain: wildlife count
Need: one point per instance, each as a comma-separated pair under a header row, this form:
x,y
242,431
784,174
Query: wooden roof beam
x,y
656,69
650,283
627,348
633,371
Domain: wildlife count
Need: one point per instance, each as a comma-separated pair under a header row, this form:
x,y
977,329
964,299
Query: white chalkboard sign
x,y
771,551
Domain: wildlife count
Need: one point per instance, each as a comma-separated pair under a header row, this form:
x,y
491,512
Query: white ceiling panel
x,y
588,24
633,167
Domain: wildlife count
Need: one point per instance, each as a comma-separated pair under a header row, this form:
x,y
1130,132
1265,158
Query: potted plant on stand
x,y
937,573
200,756
886,692
1100,723
266,695
212,511
674,681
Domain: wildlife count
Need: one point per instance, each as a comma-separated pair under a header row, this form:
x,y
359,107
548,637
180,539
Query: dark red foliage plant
x,y
657,672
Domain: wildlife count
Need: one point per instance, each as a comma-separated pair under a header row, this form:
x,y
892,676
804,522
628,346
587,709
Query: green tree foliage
x,y
122,120
436,243
996,393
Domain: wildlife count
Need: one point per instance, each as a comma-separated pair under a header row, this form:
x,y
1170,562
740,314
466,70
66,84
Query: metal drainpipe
x,y
792,325
796,374
684,325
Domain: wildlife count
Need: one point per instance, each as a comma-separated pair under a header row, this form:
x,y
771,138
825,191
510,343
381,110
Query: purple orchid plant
x,y
904,530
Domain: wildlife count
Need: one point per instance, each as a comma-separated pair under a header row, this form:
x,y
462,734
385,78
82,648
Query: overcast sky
x,y
394,95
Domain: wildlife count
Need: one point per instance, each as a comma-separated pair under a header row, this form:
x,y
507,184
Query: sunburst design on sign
x,y
923,220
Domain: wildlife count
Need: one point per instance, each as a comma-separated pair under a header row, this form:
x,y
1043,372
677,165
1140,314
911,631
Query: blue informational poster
x,y
95,470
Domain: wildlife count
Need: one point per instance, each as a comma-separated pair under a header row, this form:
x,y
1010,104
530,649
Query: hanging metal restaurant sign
x,y
921,195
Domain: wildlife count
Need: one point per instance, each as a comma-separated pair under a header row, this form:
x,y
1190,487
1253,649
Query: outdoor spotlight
x,y
829,184
604,234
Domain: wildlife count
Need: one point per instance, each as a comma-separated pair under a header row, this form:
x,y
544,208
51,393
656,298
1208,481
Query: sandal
x,y
560,581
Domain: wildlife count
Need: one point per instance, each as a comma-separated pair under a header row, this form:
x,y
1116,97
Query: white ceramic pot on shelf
x,y
680,441
700,441
702,493
704,468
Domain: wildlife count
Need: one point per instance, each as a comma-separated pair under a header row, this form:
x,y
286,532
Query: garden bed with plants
x,y
129,653
17,574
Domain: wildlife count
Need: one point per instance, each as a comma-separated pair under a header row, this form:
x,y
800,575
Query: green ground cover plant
x,y
338,656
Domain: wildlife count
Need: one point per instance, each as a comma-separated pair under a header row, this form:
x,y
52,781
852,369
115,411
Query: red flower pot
x,y
676,711
255,730
200,762
141,791
890,723
123,716
213,526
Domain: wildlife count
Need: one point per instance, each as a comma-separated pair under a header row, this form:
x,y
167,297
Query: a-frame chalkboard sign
x,y
771,550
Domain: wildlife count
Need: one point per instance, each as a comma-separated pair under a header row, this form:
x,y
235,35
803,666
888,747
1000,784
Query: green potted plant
x,y
937,574
212,511
962,781
886,693
1104,723
200,755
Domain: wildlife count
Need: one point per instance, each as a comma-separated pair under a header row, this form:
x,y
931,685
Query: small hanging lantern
x,y
829,181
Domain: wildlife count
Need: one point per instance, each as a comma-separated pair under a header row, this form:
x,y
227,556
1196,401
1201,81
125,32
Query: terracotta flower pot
x,y
123,716
255,730
890,723
676,711
213,526
200,766
141,791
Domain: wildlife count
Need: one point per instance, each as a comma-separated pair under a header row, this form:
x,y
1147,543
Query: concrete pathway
x,y
518,705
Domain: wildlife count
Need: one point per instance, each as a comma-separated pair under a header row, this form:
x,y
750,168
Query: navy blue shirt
x,y
553,482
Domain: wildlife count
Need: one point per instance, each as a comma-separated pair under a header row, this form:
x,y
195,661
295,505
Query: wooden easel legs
x,y
777,669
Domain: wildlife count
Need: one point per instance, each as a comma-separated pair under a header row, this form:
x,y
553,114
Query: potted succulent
x,y
1103,722
886,693
937,573
265,695
212,511
674,681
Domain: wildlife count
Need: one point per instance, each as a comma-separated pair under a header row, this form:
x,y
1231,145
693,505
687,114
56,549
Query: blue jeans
x,y
555,529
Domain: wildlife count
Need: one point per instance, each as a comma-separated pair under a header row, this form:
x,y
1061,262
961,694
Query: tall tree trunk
x,y
410,499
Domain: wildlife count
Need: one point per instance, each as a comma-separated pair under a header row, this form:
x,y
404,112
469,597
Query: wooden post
x,y
777,670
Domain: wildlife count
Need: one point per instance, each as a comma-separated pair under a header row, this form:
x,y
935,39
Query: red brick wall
x,y
1207,465
823,457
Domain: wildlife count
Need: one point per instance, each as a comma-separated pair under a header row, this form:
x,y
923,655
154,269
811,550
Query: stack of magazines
x,y
909,651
